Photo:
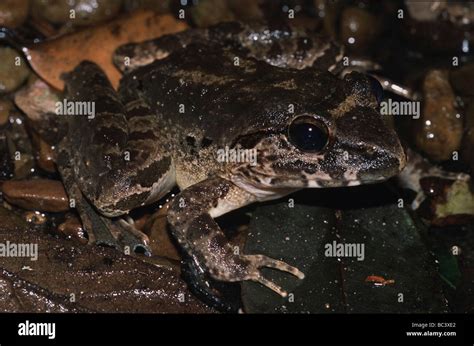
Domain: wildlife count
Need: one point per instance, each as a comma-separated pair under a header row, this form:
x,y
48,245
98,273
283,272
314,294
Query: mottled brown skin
x,y
279,45
92,158
174,114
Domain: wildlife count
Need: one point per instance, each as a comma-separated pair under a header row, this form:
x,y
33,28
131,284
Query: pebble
x,y
38,194
209,12
38,101
72,228
359,28
45,154
5,107
13,70
85,12
162,6
438,132
19,146
13,12
46,157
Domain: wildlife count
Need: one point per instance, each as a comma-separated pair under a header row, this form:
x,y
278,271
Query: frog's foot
x,y
248,267
119,234
101,230
205,290
129,236
261,261
191,215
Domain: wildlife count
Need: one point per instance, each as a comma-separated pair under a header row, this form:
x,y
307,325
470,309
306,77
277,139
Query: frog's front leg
x,y
192,216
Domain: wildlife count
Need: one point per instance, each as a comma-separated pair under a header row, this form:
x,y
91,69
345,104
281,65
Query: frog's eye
x,y
308,134
376,88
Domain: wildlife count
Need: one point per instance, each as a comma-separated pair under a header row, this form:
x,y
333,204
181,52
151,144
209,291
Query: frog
x,y
183,100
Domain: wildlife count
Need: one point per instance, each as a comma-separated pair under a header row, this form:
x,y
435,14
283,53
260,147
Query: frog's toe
x,y
260,261
98,232
141,249
271,285
107,240
264,261
133,238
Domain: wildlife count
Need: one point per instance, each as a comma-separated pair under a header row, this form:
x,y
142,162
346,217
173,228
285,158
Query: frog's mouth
x,y
323,172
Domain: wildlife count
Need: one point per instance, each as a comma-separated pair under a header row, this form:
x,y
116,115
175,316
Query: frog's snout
x,y
383,162
375,148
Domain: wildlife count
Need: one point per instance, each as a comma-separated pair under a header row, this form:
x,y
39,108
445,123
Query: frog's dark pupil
x,y
308,135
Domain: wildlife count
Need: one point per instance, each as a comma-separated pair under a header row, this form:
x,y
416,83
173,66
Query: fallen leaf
x,y
380,238
52,58
68,277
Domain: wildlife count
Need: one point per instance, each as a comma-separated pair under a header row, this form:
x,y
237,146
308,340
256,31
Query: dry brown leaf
x,y
52,58
98,279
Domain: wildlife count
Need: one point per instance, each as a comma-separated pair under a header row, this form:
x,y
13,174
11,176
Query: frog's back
x,y
219,94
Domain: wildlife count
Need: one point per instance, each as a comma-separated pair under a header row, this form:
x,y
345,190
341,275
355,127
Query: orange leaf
x,y
52,58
